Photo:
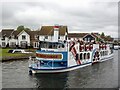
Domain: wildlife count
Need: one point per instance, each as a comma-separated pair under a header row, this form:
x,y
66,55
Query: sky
x,y
79,15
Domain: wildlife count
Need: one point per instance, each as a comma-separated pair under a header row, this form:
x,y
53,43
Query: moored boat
x,y
61,56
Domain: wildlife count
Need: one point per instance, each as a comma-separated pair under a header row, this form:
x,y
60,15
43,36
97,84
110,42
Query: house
x,y
34,38
107,39
27,38
87,37
20,39
24,39
92,37
47,33
4,37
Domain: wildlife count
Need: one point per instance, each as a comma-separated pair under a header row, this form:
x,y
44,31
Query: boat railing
x,y
32,61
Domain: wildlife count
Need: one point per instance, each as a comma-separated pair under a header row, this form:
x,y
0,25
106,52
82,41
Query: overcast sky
x,y
78,15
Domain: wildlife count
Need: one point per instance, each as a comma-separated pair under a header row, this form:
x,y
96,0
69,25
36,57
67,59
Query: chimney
x,y
56,33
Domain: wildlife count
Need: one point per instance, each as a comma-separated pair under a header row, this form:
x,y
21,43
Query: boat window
x,y
81,56
105,52
84,55
51,45
63,46
101,53
77,57
88,55
97,54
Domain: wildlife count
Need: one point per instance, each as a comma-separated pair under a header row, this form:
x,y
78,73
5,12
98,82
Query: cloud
x,y
79,16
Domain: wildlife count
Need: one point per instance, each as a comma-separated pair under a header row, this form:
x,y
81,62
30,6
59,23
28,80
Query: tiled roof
x,y
95,35
76,35
6,32
48,30
16,32
31,33
106,38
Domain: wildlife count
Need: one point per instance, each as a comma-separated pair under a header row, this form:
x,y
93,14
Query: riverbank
x,y
19,57
5,56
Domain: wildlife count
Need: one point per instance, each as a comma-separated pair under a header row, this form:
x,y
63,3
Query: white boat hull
x,y
59,70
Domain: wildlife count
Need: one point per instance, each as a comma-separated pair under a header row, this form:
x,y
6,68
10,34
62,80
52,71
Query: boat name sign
x,y
49,56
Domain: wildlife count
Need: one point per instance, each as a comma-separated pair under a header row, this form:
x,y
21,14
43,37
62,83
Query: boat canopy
x,y
51,45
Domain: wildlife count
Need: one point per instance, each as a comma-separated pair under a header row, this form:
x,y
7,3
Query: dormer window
x,y
46,37
23,37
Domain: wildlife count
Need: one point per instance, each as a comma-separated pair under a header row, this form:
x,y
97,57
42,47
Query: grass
x,y
5,53
0,52
6,56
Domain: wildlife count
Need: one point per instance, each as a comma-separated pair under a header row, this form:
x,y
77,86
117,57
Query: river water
x,y
101,75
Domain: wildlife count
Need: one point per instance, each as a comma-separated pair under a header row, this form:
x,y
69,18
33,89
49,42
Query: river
x,y
101,75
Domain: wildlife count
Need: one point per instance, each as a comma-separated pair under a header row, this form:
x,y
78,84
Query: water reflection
x,y
57,80
95,76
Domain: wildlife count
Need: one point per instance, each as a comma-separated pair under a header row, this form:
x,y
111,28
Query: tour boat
x,y
61,56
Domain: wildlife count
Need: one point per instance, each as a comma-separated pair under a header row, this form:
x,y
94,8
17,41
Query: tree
x,y
97,39
102,34
20,28
108,36
27,29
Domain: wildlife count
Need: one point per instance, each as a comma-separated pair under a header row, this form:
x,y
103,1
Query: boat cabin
x,y
54,46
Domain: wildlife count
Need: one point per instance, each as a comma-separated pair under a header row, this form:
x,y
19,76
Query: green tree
x,y
27,29
97,39
102,34
20,28
108,36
